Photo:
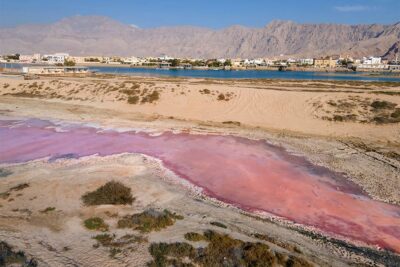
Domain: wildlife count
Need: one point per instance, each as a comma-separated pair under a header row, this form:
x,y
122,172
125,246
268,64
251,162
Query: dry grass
x,y
358,109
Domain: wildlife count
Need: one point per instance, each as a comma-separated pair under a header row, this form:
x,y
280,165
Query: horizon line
x,y
192,25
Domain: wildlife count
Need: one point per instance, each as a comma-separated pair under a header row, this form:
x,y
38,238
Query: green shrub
x,y
149,220
113,193
104,239
96,223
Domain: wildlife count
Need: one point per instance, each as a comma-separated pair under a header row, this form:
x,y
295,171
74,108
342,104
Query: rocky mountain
x,y
94,35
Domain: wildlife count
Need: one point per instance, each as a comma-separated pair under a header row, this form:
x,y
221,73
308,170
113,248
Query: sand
x,y
285,113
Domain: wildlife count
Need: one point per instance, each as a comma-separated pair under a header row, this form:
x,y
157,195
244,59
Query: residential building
x,y
372,63
26,58
165,58
236,62
371,60
306,61
57,58
164,65
77,60
325,62
132,61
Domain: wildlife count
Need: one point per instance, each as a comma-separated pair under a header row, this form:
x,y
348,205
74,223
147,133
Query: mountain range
x,y
97,35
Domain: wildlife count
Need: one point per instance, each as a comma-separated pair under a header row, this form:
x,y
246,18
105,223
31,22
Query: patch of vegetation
x,y
105,240
8,257
385,92
149,220
224,97
33,85
194,237
205,91
19,187
115,245
96,223
221,97
222,250
48,209
172,254
383,104
150,98
113,193
218,224
133,99
279,243
6,85
358,109
236,123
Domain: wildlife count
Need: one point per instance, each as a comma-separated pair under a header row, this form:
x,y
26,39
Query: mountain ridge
x,y
99,35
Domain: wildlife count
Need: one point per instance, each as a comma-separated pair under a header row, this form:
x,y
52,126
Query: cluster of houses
x,y
329,62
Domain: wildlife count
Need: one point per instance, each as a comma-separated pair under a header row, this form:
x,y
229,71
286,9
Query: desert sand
x,y
332,124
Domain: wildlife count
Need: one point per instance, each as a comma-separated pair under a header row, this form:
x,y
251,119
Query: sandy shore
x,y
291,114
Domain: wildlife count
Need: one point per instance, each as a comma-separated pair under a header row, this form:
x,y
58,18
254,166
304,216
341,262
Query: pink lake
x,y
250,174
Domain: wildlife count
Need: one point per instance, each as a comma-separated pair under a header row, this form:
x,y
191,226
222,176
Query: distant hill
x,y
95,35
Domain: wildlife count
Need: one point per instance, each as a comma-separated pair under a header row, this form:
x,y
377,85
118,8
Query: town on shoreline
x,y
50,62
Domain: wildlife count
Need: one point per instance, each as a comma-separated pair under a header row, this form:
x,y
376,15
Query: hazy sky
x,y
208,13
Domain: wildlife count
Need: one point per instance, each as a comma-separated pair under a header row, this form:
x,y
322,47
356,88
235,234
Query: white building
x,y
371,60
372,63
257,61
306,61
29,58
131,60
26,58
165,58
57,58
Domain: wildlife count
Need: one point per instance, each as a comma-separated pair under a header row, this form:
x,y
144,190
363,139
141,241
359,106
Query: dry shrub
x,y
113,193
8,257
96,223
149,220
150,98
222,250
133,99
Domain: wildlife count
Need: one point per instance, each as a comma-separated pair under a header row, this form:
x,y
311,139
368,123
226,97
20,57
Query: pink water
x,y
252,175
